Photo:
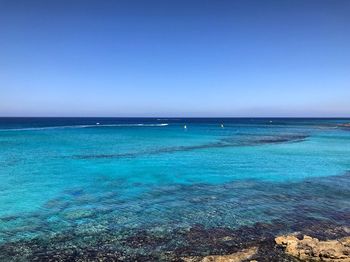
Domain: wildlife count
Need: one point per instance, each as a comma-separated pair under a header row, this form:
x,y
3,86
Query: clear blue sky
x,y
175,58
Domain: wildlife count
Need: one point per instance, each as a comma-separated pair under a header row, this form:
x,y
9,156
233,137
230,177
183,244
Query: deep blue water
x,y
72,174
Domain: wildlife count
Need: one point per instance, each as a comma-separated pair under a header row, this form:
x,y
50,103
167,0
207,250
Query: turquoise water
x,y
64,174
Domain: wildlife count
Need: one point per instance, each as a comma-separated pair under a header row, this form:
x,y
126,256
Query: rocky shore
x,y
314,241
296,247
299,248
312,249
239,256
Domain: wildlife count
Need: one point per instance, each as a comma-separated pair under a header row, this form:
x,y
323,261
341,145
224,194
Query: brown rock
x,y
311,249
235,257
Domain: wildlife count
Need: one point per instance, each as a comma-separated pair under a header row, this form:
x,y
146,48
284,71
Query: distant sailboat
x,y
97,123
222,125
185,127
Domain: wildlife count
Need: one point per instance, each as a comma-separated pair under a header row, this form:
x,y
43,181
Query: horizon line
x,y
180,117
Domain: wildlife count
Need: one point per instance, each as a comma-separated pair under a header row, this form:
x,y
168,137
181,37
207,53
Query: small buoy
x,y
185,127
270,121
97,123
222,125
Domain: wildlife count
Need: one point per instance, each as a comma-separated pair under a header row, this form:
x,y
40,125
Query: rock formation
x,y
242,255
312,249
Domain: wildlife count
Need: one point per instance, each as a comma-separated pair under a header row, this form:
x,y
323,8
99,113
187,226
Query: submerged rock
x,y
312,249
78,214
235,257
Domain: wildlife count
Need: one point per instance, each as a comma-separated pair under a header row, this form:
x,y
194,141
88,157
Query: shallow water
x,y
62,175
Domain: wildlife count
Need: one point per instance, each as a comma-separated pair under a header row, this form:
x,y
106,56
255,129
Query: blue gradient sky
x,y
175,58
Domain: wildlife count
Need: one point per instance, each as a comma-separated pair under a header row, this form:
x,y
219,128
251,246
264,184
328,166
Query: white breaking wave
x,y
80,126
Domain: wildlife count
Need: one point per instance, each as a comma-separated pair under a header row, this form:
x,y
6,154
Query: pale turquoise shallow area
x,y
58,174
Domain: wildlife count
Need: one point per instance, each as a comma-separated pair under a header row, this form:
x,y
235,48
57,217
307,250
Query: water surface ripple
x,y
148,192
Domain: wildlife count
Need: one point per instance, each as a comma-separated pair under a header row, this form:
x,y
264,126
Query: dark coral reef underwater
x,y
176,245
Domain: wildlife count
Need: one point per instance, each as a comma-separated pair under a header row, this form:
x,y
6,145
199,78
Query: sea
x,y
135,188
